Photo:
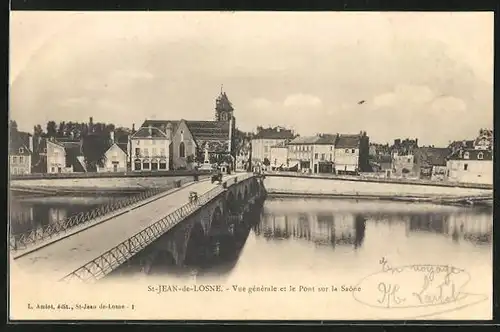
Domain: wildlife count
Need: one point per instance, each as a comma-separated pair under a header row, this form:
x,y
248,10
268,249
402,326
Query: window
x,y
14,159
480,155
145,164
266,148
21,150
346,150
352,150
409,160
21,159
155,151
138,142
137,151
162,152
315,156
137,165
322,156
466,166
146,152
466,155
45,150
182,149
331,148
331,157
163,164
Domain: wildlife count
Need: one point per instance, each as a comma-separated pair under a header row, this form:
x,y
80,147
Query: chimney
x,y
416,141
133,128
112,137
278,129
168,131
30,143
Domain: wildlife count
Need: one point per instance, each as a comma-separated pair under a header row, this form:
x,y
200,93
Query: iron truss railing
x,y
113,258
23,240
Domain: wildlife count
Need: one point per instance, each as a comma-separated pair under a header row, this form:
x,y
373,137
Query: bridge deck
x,y
67,255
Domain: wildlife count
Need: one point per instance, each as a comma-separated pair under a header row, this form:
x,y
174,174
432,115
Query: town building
x,y
265,138
404,163
190,140
301,153
279,156
115,157
470,166
75,160
471,161
149,148
20,151
352,153
432,162
324,153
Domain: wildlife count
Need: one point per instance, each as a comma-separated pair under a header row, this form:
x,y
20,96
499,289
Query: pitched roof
x,y
433,156
347,141
161,124
473,154
209,130
144,132
73,150
223,102
274,133
327,139
304,140
19,140
123,146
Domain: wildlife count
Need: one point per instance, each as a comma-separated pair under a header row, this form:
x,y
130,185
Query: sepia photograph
x,y
250,165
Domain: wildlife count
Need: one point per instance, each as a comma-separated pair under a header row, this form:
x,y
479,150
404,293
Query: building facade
x,y
115,158
265,139
404,162
279,156
20,151
432,162
352,153
149,147
471,166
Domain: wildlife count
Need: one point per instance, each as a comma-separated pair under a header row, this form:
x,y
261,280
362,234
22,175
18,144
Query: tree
x,y
51,129
37,130
61,131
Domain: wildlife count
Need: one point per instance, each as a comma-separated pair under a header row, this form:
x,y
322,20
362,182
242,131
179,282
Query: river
x,y
306,242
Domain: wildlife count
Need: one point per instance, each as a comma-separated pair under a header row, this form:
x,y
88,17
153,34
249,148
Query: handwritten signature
x,y
414,286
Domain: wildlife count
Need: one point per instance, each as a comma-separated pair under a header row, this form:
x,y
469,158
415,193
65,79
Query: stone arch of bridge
x,y
195,243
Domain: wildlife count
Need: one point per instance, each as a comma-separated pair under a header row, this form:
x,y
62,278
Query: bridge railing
x,y
113,258
23,240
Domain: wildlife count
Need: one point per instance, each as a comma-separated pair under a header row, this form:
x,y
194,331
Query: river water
x,y
304,242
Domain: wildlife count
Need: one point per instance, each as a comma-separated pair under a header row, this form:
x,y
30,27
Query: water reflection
x,y
285,228
27,214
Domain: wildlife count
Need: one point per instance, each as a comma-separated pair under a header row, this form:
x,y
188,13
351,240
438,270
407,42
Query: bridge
x,y
91,250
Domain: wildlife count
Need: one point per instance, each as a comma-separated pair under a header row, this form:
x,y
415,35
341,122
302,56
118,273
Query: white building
x,y
351,153
265,139
149,148
279,156
471,166
115,158
55,157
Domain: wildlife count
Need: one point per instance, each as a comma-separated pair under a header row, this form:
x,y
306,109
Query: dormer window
x,y
21,150
480,156
466,155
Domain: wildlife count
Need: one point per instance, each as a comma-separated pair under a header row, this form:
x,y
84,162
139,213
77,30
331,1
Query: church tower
x,y
223,108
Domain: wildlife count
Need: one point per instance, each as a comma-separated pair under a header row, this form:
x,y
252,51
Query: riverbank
x,y
364,178
313,187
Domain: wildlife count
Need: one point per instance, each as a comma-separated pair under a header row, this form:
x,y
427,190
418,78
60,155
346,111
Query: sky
x,y
420,75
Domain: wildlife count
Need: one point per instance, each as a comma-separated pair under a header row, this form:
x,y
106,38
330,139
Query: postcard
x,y
250,165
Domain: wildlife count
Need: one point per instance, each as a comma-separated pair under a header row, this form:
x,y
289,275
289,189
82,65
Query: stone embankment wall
x,y
316,186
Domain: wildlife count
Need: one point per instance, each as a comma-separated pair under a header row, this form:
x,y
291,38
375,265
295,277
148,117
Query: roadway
x,y
60,258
